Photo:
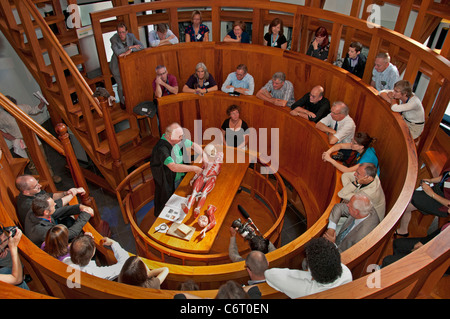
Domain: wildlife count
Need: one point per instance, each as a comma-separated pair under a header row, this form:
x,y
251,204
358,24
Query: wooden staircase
x,y
42,42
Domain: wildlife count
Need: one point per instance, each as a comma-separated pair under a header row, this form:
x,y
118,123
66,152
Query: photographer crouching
x,y
11,270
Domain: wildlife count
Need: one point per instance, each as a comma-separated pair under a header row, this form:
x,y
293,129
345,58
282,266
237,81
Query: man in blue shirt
x,y
239,81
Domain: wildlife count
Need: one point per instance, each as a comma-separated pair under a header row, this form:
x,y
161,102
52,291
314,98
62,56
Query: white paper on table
x,y
172,211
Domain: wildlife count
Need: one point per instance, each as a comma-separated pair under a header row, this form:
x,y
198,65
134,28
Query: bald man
x,y
312,106
167,165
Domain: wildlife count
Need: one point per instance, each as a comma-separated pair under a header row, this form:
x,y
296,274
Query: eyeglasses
x,y
162,73
35,186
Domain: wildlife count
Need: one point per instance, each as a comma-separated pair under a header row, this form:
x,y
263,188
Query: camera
x,y
10,230
245,230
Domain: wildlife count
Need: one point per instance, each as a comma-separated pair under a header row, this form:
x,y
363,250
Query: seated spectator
x,y
258,243
164,83
312,106
161,36
197,31
237,33
135,272
232,290
324,271
12,270
359,150
188,285
339,126
404,246
44,216
365,179
320,45
404,101
82,251
56,242
256,264
354,61
239,81
277,91
201,82
275,37
384,73
29,188
362,218
431,198
235,130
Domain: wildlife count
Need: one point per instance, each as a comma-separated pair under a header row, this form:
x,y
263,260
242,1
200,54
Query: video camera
x,y
248,229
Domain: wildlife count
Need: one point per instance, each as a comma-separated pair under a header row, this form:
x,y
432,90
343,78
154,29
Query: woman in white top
x,y
402,100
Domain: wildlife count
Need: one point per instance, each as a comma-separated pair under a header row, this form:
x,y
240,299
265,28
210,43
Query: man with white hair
x,y
167,165
362,218
339,126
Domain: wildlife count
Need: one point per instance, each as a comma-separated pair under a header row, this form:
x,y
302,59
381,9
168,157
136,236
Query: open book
x,y
40,97
172,211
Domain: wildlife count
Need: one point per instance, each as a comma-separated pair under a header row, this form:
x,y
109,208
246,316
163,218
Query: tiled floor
x,y
294,223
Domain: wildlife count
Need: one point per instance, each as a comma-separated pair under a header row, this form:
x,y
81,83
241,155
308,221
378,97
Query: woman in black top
x,y
234,129
275,37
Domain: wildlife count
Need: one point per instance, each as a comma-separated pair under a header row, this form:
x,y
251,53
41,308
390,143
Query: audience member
x,y
135,272
82,251
164,83
12,270
201,82
324,271
278,91
365,179
162,35
404,246
197,31
320,45
122,44
237,33
256,264
274,36
362,218
12,133
431,198
257,242
312,106
56,242
355,61
168,171
384,73
29,187
240,82
404,101
339,126
44,216
188,285
351,154
232,290
234,129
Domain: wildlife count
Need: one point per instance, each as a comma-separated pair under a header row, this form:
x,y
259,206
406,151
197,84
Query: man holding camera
x,y
256,242
11,267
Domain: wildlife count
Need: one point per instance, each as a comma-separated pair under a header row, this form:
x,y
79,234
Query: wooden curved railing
x,y
138,189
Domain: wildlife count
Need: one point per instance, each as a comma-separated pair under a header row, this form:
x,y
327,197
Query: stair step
x,y
123,137
117,115
76,59
67,38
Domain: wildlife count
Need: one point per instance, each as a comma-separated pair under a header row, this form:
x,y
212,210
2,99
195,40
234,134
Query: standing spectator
x,y
355,61
201,82
239,81
164,83
275,37
339,126
384,73
122,44
197,31
404,101
161,36
320,45
135,272
82,251
277,91
237,33
312,106
324,271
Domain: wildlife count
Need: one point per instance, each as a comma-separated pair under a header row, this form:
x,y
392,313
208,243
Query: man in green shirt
x,y
166,163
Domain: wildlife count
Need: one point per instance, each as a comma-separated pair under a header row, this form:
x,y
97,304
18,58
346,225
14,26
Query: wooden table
x,y
227,184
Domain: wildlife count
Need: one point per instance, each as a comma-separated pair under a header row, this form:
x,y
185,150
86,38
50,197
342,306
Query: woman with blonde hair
x,y
197,31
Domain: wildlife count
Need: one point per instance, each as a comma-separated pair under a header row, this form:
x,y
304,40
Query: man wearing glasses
x,y
164,83
29,188
239,82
